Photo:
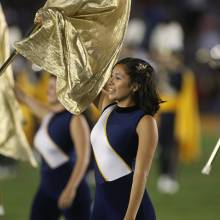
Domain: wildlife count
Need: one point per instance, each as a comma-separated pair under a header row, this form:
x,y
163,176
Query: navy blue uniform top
x,y
54,180
122,138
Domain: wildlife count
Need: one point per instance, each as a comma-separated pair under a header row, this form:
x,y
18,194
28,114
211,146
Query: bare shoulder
x,y
79,126
147,132
147,122
78,119
147,119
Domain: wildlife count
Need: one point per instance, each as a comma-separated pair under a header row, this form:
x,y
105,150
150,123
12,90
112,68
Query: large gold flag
x,y
13,142
79,42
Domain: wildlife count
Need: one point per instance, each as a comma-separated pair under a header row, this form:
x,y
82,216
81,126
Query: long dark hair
x,y
142,73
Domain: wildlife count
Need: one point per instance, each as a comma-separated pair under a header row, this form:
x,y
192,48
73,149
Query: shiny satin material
x,y
79,42
13,142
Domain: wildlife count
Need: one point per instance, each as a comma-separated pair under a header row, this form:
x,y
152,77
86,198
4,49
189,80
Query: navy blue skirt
x,y
112,198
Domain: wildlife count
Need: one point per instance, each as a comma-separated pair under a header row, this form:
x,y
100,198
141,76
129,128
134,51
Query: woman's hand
x,y
66,198
38,19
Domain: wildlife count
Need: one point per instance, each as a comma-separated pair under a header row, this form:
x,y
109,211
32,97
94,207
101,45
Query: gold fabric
x,y
13,142
187,126
79,42
187,121
170,103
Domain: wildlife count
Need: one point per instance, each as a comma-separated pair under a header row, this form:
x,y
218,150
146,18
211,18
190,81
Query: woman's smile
x,y
111,90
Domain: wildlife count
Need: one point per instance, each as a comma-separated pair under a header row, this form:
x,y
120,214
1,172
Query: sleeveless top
x,y
115,141
55,133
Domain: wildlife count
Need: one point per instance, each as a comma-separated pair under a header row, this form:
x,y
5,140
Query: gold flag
x,y
187,127
13,142
79,42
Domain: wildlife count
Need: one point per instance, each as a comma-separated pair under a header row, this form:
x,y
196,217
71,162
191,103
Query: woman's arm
x,y
148,137
80,134
102,99
39,109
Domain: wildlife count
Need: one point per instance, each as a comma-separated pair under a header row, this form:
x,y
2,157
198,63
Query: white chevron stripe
x,y
110,164
54,156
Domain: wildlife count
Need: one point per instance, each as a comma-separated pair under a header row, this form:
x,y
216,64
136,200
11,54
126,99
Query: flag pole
x,y
207,168
15,53
2,211
8,62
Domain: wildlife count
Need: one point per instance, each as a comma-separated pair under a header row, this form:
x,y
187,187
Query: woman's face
x,y
119,86
51,91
